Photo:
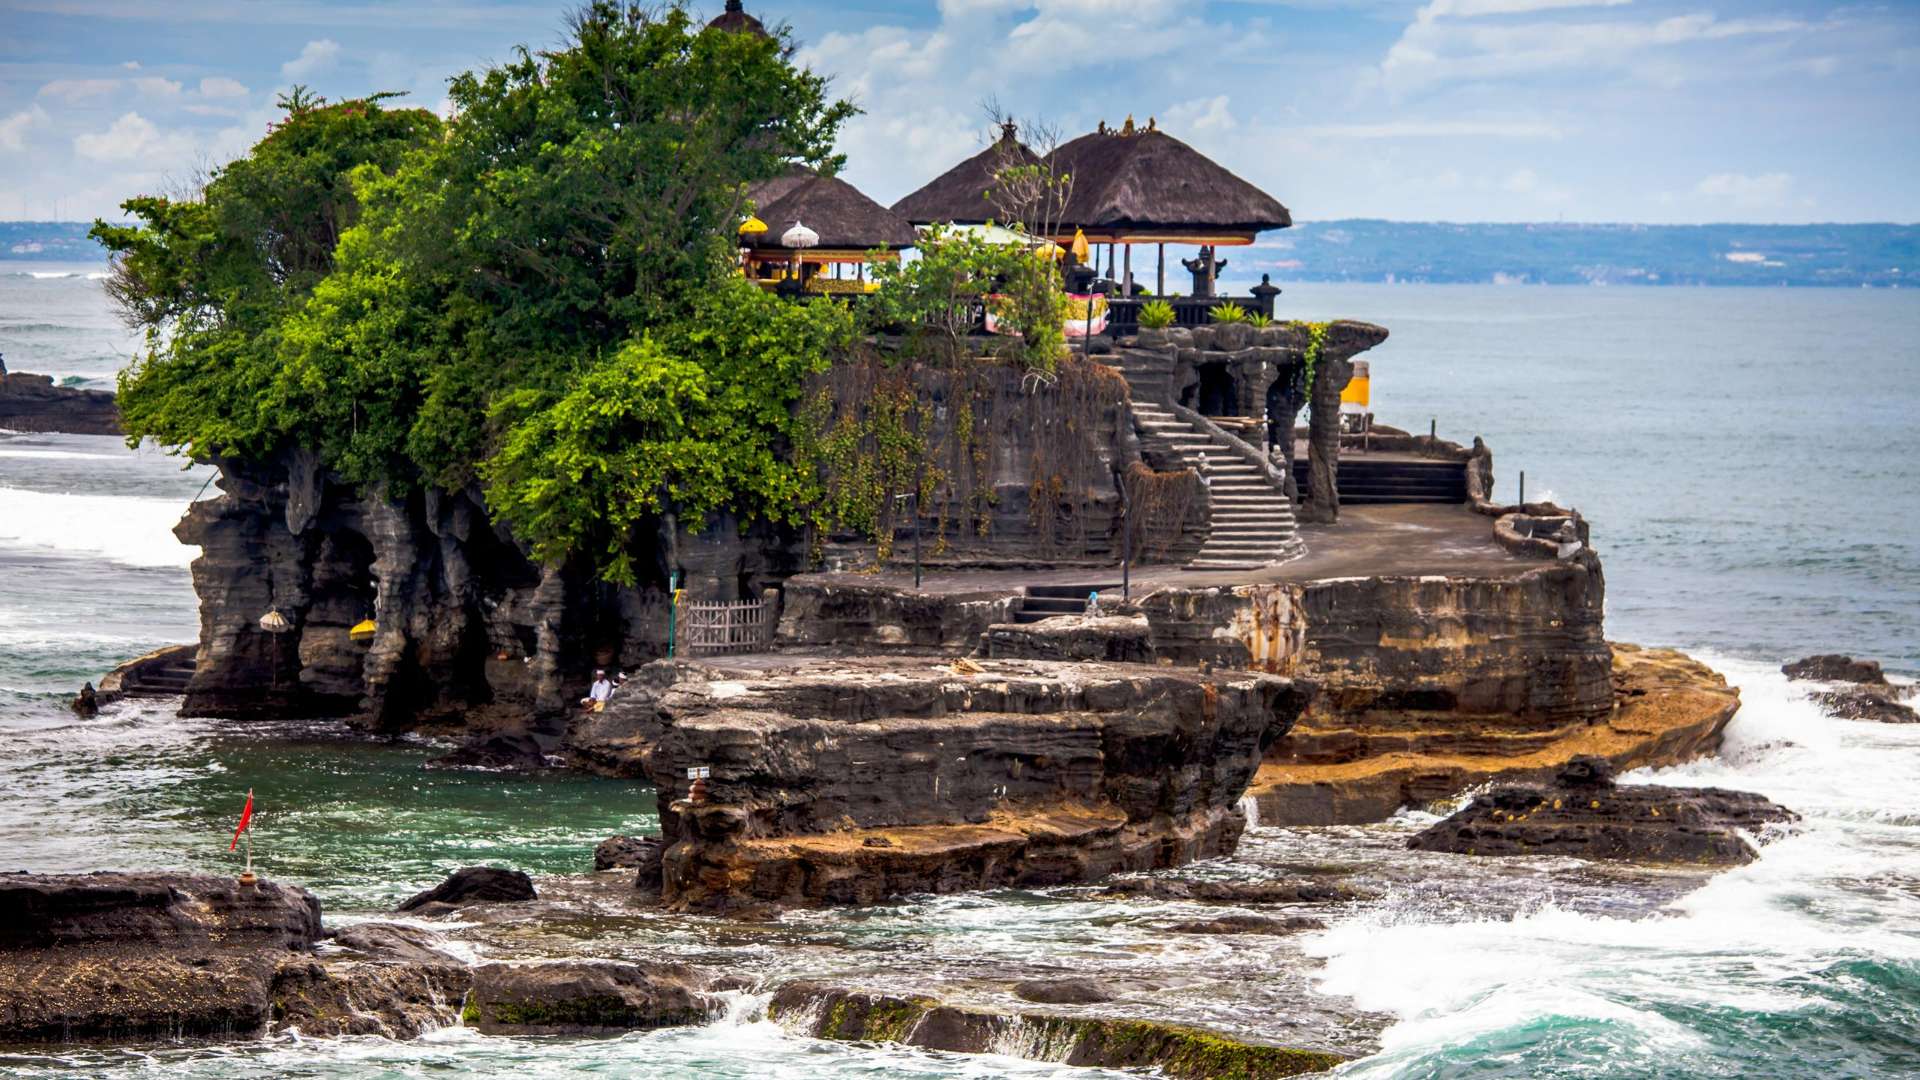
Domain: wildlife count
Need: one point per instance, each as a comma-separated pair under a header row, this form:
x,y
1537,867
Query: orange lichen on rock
x,y
1348,768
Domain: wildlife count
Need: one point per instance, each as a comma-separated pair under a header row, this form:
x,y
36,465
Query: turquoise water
x,y
1745,455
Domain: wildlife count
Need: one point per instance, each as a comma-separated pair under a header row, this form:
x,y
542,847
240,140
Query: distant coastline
x,y
1440,253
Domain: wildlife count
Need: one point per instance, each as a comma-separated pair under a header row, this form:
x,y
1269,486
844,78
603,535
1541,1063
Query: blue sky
x,y
1460,110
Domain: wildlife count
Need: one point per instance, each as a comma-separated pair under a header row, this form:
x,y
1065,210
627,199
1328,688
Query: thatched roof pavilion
x,y
964,194
1142,185
850,225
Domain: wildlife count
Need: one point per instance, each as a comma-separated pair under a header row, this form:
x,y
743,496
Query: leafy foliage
x,y
936,295
539,297
1156,315
1227,313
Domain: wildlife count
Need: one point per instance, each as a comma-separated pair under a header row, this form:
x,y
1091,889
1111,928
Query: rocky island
x,y
996,573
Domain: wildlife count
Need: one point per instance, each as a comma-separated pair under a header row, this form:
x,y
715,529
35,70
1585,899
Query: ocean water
x,y
1745,456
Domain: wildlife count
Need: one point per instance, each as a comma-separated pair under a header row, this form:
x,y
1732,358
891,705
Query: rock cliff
x,y
852,781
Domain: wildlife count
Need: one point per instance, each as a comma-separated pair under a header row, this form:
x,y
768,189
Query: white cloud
x,y
1437,129
131,138
79,91
155,87
1445,43
14,129
131,65
1468,9
1200,115
315,57
1767,191
219,86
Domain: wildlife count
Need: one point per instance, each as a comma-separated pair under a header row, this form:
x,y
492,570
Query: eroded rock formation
x,y
852,781
1582,813
34,403
144,955
1174,1050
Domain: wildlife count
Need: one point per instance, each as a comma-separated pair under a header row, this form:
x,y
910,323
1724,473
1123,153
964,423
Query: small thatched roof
x,y
962,194
736,19
1143,180
845,219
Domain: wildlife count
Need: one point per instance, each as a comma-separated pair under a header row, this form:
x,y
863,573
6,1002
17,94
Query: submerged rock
x,y
585,998
1062,992
387,980
499,752
1864,703
475,885
1585,815
629,852
1833,667
1174,1050
1249,924
1297,891
144,955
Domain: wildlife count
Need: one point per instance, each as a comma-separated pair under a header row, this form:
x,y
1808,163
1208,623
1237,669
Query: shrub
x,y
1259,320
1156,315
1227,313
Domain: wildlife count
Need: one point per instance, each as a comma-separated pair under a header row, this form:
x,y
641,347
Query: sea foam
x,y
120,529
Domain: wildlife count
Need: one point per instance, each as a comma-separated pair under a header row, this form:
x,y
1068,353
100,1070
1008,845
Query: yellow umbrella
x,y
753,225
1080,246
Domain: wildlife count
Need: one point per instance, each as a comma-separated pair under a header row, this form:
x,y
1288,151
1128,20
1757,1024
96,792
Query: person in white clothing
x,y
599,693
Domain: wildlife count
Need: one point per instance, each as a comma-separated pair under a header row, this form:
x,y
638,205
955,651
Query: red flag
x,y
246,817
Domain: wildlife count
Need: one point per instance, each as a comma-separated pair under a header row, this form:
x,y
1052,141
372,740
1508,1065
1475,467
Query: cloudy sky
x,y
1459,110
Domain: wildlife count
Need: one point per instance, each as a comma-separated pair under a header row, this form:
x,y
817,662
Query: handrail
x,y
1245,450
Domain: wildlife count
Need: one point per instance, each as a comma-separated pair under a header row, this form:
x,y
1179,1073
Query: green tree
x,y
211,278
541,297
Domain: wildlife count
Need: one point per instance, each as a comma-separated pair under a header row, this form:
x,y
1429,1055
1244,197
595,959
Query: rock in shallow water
x,y
1863,703
586,997
1174,1050
1249,924
1583,814
1833,667
144,955
1062,992
519,753
475,885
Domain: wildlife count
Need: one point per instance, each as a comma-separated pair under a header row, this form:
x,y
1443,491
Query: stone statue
x,y
1205,270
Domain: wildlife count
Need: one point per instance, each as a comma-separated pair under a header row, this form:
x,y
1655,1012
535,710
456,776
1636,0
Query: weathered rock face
x,y
849,782
1530,646
832,612
1584,814
520,753
469,630
33,403
585,998
1339,768
475,885
391,981
1867,703
144,955
1116,638
1174,1050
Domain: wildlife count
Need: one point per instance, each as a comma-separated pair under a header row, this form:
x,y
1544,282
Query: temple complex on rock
x,y
1098,616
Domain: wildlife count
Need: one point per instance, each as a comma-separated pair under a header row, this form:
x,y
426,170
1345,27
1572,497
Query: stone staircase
x,y
1368,481
1252,519
1046,601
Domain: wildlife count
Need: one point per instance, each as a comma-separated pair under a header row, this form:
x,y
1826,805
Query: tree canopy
x,y
536,296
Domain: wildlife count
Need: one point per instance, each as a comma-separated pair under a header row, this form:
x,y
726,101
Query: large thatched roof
x,y
845,219
1143,180
963,194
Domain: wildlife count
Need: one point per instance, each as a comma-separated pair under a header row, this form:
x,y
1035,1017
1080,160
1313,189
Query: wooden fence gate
x,y
740,626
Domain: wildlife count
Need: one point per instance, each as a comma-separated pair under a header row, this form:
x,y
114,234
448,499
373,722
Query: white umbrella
x,y
799,237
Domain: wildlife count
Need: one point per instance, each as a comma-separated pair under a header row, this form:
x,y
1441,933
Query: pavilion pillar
x,y
1160,279
1126,289
1110,248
